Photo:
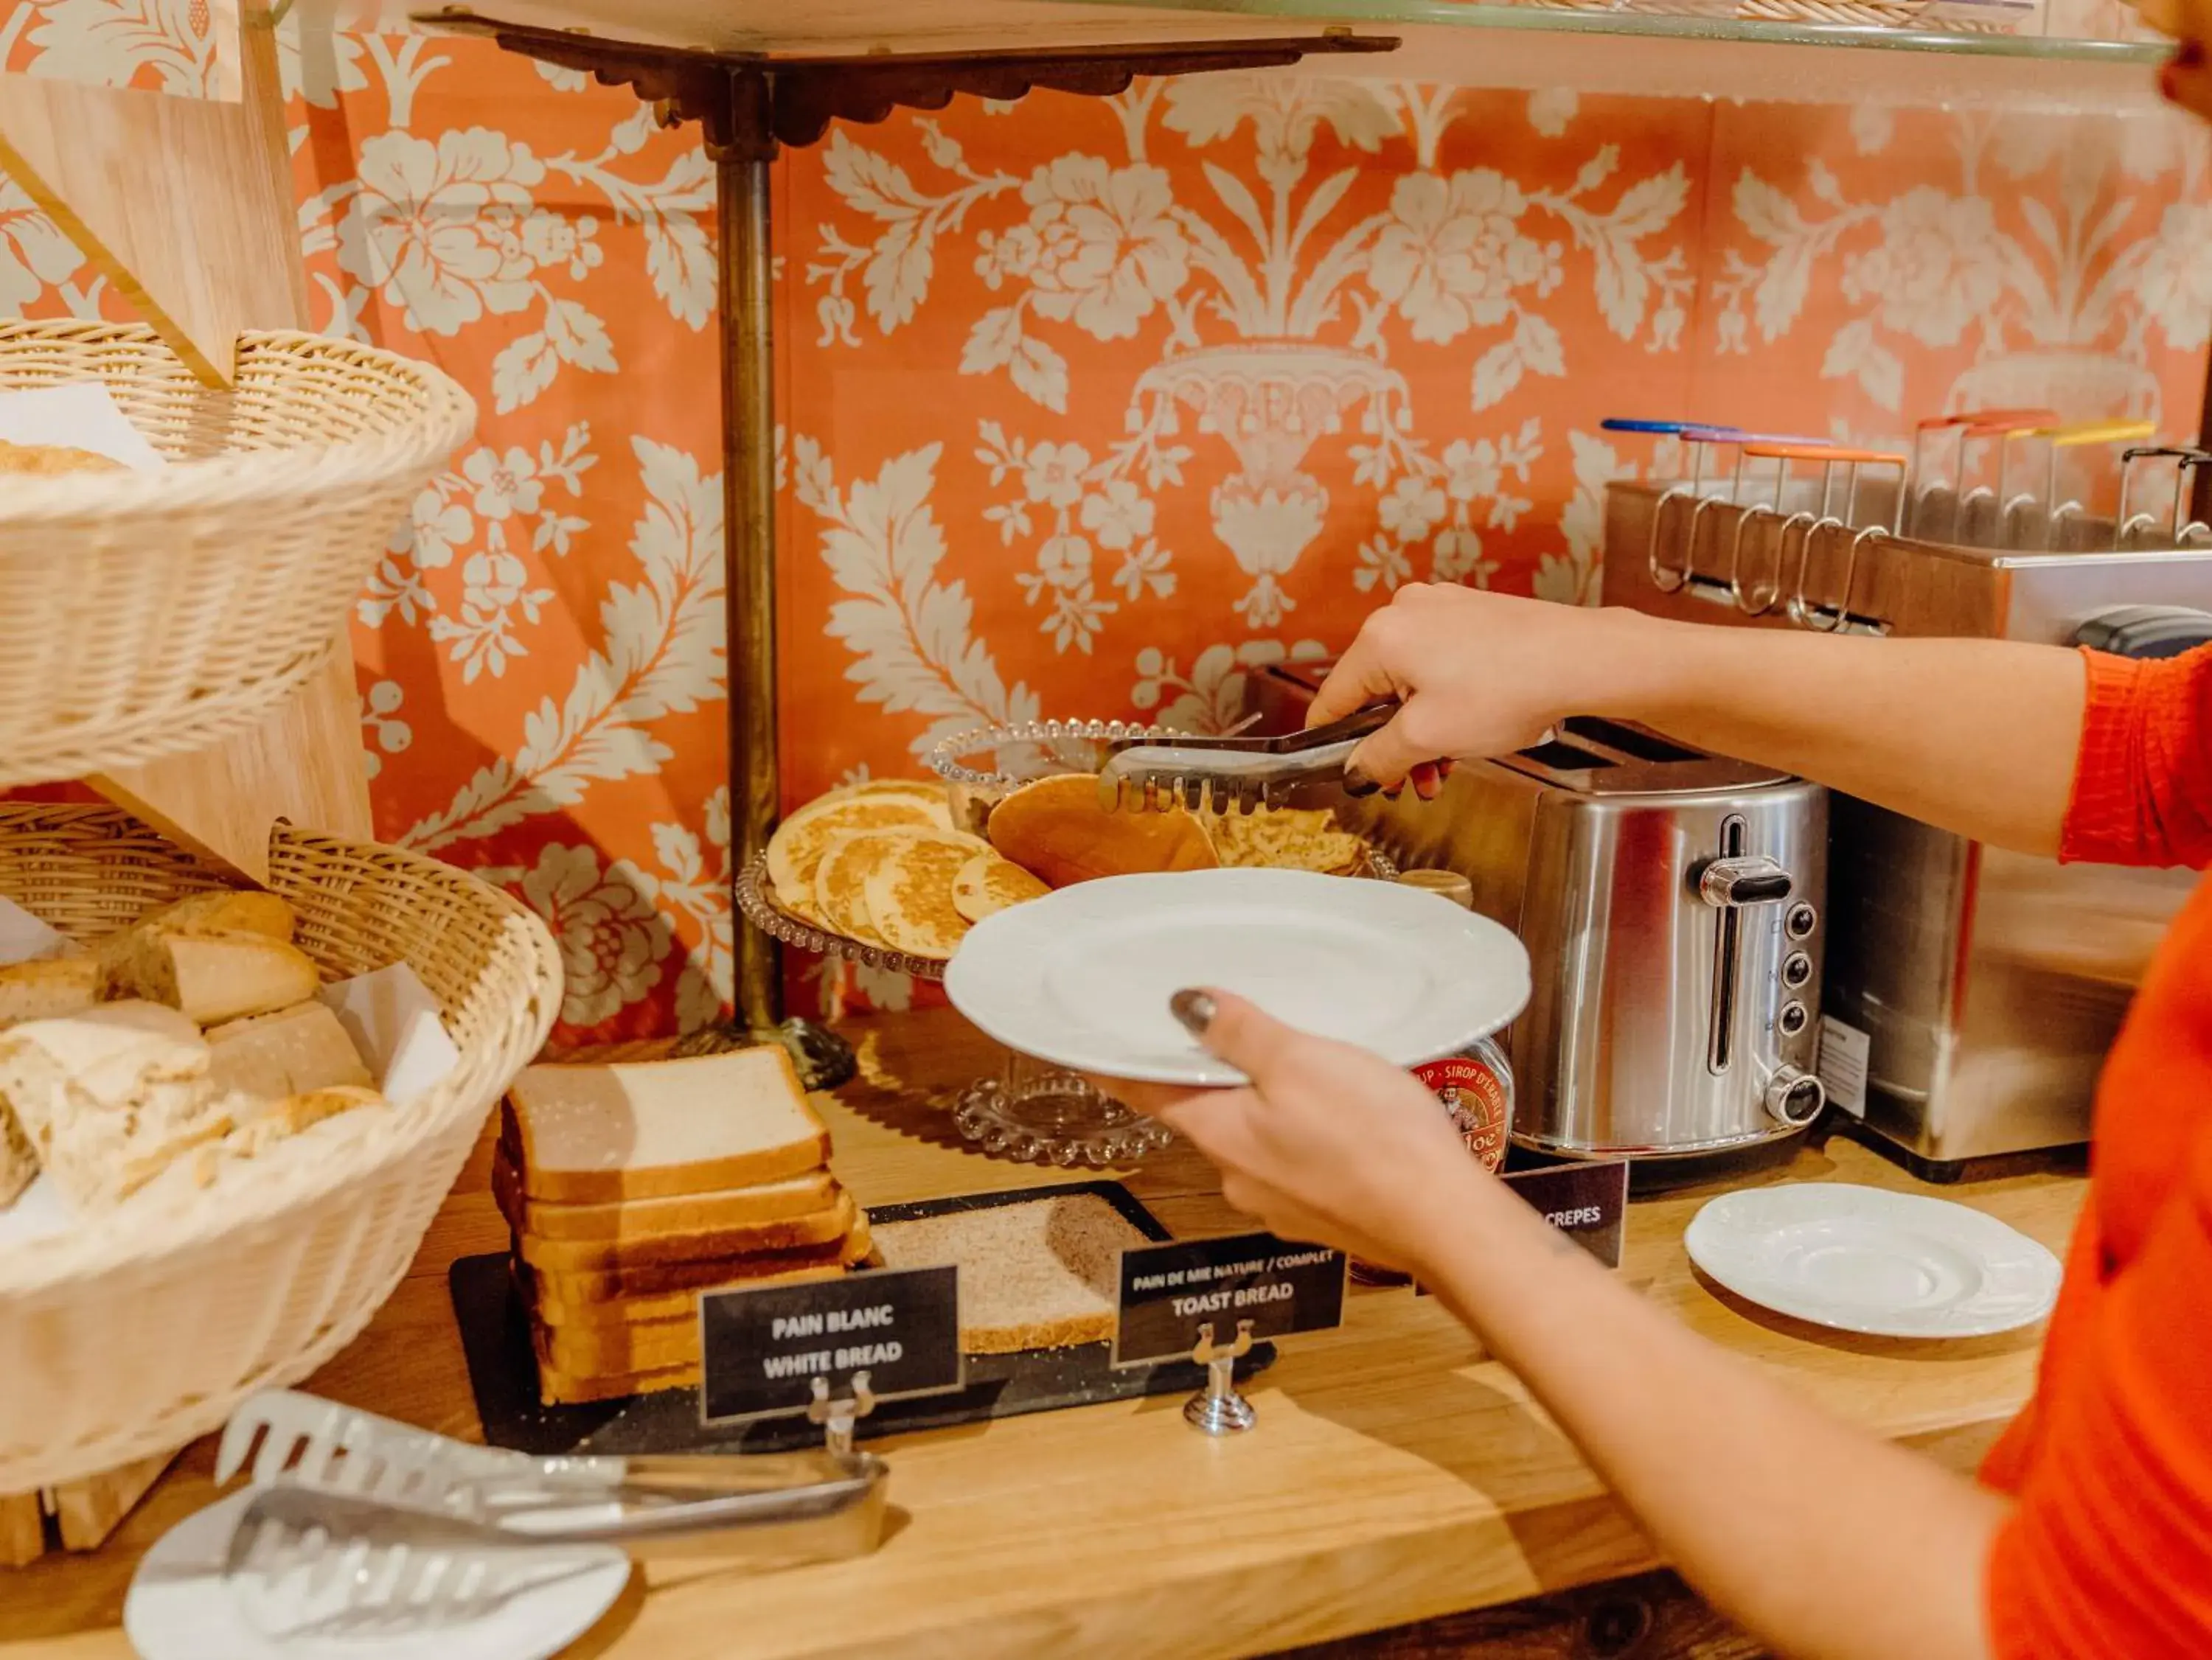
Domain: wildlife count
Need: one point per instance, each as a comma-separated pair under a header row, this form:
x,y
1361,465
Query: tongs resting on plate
x,y
1158,773
333,1483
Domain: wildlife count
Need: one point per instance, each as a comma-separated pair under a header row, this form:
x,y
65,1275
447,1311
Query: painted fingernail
x,y
1357,784
1194,1010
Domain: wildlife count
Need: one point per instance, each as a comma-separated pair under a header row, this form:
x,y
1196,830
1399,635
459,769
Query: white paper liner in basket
x,y
133,1335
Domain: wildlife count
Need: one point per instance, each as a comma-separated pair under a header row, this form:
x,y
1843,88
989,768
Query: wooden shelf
x,y
1440,41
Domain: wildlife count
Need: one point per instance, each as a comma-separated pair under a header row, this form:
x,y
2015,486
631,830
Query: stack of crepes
x,y
883,862
630,1189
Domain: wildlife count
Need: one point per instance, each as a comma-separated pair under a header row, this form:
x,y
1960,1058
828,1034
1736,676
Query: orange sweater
x,y
2109,1551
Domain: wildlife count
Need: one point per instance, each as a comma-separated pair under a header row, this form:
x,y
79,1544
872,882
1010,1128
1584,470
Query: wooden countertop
x,y
1395,1474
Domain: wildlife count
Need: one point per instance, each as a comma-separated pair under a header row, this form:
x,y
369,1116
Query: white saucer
x,y
1867,1260
181,1607
1082,977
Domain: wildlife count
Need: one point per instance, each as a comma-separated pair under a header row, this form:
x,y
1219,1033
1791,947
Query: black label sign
x,y
1168,1292
763,1348
1588,1202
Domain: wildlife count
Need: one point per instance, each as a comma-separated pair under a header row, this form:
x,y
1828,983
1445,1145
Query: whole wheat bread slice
x,y
584,1135
1043,1273
646,1219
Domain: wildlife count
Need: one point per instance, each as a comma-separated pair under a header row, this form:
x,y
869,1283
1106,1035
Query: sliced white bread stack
x,y
107,1077
630,1188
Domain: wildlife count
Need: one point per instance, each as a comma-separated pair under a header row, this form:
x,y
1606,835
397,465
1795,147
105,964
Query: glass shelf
x,y
1533,46
1443,42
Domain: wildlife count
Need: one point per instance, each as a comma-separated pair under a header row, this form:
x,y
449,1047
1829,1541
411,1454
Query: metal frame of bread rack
x,y
1781,550
748,105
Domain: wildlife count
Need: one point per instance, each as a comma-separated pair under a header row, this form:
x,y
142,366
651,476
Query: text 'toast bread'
x,y
658,1128
645,1219
226,910
1055,829
587,1289
817,1227
211,977
49,987
290,1052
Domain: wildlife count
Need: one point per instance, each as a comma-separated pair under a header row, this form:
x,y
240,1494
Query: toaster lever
x,y
1729,883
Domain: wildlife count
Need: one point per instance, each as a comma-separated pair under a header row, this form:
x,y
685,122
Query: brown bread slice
x,y
819,1227
645,1219
1043,1273
660,1129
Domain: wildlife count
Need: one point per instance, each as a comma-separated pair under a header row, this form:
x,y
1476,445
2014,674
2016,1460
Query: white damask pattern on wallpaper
x,y
1090,407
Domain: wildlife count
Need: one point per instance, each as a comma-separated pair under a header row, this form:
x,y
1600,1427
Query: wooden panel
x,y
89,1511
187,205
155,190
22,1530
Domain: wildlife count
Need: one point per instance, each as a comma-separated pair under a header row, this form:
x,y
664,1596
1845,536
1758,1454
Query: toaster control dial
x,y
1731,882
1795,1096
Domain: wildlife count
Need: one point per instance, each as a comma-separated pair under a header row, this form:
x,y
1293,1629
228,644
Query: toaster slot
x,y
1720,1035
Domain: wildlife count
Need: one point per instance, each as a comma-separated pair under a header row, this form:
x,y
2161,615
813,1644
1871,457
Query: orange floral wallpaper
x,y
1088,406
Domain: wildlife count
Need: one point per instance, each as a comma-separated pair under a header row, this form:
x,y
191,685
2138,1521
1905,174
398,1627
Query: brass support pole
x,y
748,533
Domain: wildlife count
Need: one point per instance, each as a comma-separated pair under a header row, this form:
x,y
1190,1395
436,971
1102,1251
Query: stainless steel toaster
x,y
1672,902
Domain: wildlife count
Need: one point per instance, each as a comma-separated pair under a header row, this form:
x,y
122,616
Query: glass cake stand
x,y
1031,1111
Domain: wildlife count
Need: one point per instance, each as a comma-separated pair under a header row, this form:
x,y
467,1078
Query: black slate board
x,y
503,1370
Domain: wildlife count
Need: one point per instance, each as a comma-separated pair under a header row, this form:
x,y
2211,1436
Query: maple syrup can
x,y
1474,1086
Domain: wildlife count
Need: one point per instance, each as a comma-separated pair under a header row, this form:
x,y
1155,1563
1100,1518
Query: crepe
x,y
796,849
910,896
989,882
1286,839
842,878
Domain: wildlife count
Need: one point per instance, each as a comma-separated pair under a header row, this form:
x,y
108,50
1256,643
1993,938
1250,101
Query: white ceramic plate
x,y
181,1607
1082,977
1863,1259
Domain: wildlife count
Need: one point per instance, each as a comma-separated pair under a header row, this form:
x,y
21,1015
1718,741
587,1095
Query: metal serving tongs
x,y
1158,773
408,1509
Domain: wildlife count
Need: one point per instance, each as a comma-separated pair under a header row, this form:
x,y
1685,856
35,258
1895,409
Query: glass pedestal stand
x,y
1029,1111
1040,1114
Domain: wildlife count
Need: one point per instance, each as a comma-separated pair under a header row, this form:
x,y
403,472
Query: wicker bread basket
x,y
132,1336
149,614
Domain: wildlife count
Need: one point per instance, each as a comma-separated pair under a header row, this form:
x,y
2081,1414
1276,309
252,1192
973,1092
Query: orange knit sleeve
x,y
2109,1551
2142,778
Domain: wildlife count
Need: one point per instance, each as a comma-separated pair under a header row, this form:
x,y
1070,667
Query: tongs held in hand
x,y
1163,772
